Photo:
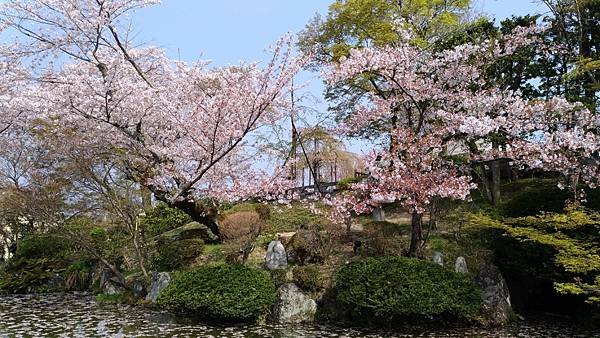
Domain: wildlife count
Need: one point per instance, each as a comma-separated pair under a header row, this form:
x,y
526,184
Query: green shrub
x,y
162,218
292,218
229,293
308,246
172,255
228,209
42,246
308,278
117,298
393,289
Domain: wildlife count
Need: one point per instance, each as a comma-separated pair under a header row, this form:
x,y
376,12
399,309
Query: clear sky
x,y
228,31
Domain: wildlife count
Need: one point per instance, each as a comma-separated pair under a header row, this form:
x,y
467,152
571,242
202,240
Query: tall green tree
x,y
576,24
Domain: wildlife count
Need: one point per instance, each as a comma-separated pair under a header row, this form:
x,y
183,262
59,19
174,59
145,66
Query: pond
x,y
79,315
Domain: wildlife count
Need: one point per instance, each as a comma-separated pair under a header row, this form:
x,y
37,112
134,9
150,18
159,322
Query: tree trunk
x,y
416,238
138,250
496,176
486,184
200,213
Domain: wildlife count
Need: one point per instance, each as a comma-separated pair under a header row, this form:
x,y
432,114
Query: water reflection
x,y
78,315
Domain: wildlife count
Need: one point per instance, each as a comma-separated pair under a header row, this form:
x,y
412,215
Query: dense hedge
x,y
172,255
42,246
390,290
228,293
163,218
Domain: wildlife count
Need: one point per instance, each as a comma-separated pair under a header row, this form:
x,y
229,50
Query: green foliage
x,y
529,197
229,293
308,246
162,218
309,277
117,298
264,240
570,238
292,218
359,23
32,276
42,246
172,255
391,289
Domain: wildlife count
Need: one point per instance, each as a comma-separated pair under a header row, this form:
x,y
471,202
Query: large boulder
x,y
293,306
276,257
192,230
307,246
496,307
160,281
109,283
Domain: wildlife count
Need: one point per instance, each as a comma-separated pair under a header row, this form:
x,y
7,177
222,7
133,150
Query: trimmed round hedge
x,y
226,293
392,290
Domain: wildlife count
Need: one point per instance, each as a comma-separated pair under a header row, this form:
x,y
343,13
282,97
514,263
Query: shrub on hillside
x,y
42,246
308,246
228,293
162,218
294,217
393,289
241,225
172,255
308,278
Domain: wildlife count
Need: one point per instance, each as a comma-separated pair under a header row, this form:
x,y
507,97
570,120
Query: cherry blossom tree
x,y
433,106
182,130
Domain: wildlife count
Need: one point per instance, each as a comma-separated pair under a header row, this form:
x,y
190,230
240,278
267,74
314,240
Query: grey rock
x,y
461,265
111,287
293,306
276,257
496,307
438,258
160,280
379,214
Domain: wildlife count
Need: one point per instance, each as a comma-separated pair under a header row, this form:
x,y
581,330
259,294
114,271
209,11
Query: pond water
x,y
79,315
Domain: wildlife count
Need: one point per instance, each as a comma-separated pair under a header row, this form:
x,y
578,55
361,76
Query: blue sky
x,y
228,31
